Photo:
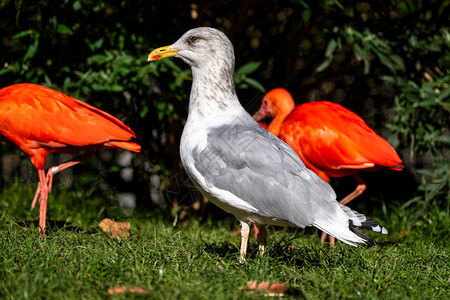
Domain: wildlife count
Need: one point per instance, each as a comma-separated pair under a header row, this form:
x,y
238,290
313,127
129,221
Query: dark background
x,y
387,61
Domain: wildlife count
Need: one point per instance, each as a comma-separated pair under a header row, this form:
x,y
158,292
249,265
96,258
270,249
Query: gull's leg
x,y
245,232
262,233
360,188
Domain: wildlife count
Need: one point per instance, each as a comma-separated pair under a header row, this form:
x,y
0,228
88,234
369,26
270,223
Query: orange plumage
x,y
336,141
330,139
40,121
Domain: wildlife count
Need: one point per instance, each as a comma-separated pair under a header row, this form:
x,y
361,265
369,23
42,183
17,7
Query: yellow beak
x,y
161,53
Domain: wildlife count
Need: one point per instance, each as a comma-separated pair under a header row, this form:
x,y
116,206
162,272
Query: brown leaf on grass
x,y
251,285
402,233
117,229
131,289
272,289
278,289
264,286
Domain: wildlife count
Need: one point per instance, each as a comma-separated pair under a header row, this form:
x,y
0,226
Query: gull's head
x,y
199,47
275,102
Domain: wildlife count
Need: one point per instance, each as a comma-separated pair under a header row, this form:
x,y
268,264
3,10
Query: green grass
x,y
200,259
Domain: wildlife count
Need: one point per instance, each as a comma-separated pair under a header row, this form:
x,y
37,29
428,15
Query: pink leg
x,y
255,232
75,161
56,169
360,188
36,196
43,201
261,237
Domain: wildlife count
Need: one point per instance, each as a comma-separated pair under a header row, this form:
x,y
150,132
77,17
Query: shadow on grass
x,y
221,249
52,226
281,250
309,255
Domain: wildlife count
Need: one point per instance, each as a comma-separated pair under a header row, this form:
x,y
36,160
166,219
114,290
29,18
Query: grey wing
x,y
262,170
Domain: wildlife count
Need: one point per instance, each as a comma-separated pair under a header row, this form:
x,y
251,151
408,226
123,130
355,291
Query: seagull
x,y
243,168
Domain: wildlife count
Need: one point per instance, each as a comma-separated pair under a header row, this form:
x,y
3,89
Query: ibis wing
x,y
38,114
332,137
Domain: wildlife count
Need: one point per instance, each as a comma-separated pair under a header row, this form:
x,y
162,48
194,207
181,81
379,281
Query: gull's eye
x,y
193,39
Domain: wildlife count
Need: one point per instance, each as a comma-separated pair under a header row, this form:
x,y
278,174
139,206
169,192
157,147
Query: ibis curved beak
x,y
261,113
162,52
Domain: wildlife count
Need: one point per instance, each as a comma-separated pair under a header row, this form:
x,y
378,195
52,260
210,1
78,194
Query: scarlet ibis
x,y
330,139
40,121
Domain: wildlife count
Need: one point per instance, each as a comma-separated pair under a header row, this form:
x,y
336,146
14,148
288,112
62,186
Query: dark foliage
x,y
387,61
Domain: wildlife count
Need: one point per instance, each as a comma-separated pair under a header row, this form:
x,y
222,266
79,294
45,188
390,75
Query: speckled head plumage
x,y
210,54
199,47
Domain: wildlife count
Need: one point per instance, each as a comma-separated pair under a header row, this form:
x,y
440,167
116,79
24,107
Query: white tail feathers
x,y
344,234
349,232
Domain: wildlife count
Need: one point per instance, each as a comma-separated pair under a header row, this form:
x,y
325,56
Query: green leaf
x,y
31,51
63,29
443,94
98,87
398,61
361,54
242,86
389,79
76,5
47,79
255,84
22,34
334,2
116,88
325,64
98,43
4,70
303,3
306,15
330,48
248,68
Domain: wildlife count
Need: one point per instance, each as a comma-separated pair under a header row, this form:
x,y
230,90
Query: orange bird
x,y
41,121
330,139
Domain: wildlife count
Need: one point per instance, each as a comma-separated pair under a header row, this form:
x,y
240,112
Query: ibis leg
x,y
43,201
261,237
56,169
360,188
75,161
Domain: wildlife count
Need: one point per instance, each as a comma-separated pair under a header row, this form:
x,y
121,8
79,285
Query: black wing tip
x,y
363,221
398,167
374,226
358,232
